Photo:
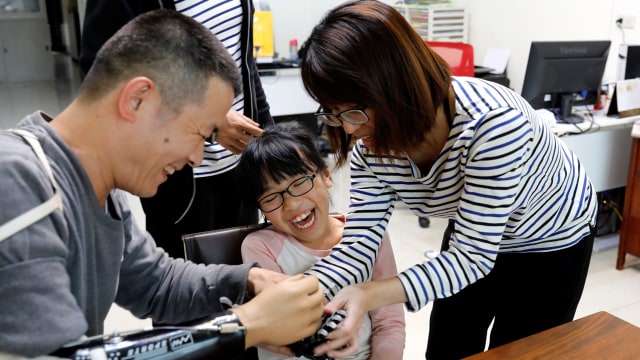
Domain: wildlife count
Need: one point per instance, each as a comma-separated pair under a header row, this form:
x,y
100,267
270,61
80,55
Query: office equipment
x,y
561,74
497,59
494,66
458,55
437,22
626,98
628,62
597,336
629,235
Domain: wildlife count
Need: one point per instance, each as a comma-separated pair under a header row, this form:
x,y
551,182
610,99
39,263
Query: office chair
x,y
220,247
458,55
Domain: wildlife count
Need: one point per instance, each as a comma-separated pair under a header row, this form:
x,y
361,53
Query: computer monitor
x,y
561,74
628,62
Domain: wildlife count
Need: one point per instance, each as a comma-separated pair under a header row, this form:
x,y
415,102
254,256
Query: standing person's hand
x,y
357,300
237,132
283,313
343,341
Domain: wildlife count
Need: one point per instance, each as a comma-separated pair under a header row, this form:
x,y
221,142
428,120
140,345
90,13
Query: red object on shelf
x,y
458,55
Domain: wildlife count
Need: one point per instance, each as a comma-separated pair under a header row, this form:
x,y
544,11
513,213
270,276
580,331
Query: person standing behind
x,y
285,176
457,148
69,246
191,201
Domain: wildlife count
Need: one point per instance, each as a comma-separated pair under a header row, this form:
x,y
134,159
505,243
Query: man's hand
x,y
237,132
282,313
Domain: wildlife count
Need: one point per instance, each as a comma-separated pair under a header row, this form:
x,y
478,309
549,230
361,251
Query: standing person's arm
x,y
387,322
372,204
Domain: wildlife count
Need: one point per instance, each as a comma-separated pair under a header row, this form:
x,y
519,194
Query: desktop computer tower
x,y
628,62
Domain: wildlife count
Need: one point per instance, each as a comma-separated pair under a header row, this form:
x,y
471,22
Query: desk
x,y
597,336
604,150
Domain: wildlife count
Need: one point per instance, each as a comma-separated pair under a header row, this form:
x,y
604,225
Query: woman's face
x,y
305,217
363,131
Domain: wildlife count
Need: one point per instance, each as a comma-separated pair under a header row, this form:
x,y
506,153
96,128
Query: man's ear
x,y
134,95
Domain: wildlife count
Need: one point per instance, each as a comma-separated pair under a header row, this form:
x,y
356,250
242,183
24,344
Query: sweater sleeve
x,y
387,322
169,290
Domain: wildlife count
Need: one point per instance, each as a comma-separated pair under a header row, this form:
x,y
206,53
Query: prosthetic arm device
x,y
217,338
220,337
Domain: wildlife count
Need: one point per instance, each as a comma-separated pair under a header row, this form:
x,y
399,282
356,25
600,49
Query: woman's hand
x,y
357,300
343,341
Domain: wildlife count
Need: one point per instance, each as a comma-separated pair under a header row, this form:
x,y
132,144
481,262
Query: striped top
x,y
224,19
508,182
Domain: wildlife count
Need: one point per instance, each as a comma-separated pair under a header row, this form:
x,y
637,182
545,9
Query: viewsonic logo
x,y
573,50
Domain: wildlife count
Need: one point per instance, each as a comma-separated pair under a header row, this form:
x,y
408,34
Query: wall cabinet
x,y
25,43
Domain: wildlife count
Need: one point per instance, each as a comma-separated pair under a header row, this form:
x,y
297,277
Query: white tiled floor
x,y
617,292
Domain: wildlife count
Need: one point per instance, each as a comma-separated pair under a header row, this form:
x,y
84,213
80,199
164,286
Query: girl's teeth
x,y
305,216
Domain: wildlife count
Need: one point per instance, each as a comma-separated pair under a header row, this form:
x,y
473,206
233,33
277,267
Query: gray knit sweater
x,y
60,276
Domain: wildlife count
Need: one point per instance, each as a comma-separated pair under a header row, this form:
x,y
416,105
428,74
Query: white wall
x,y
495,23
294,19
547,20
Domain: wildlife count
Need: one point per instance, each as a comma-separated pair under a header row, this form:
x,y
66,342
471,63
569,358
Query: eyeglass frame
x,y
311,177
324,116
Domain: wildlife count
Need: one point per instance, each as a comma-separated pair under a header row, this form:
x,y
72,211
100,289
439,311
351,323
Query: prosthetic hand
x,y
305,346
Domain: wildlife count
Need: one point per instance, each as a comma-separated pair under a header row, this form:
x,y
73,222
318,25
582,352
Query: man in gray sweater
x,y
141,115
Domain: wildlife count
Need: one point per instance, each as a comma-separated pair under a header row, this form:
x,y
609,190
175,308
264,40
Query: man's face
x,y
177,140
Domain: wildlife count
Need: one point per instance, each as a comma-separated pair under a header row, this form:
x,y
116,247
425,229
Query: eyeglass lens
x,y
352,116
297,188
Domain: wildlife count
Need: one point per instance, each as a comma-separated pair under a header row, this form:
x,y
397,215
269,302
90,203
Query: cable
x,y
619,26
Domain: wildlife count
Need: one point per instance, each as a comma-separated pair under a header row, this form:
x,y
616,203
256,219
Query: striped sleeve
x,y
217,160
372,204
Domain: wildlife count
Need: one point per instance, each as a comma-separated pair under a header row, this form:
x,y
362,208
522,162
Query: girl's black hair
x,y
283,150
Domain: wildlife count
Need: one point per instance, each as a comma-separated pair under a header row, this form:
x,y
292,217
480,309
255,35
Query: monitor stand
x,y
571,119
566,105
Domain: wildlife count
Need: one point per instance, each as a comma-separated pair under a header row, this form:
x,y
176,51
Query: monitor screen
x,y
629,62
561,74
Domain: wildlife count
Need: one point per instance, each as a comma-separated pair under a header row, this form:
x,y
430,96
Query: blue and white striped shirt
x,y
508,182
224,19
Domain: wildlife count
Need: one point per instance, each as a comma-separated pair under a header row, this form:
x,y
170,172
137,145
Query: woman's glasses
x,y
355,116
298,187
